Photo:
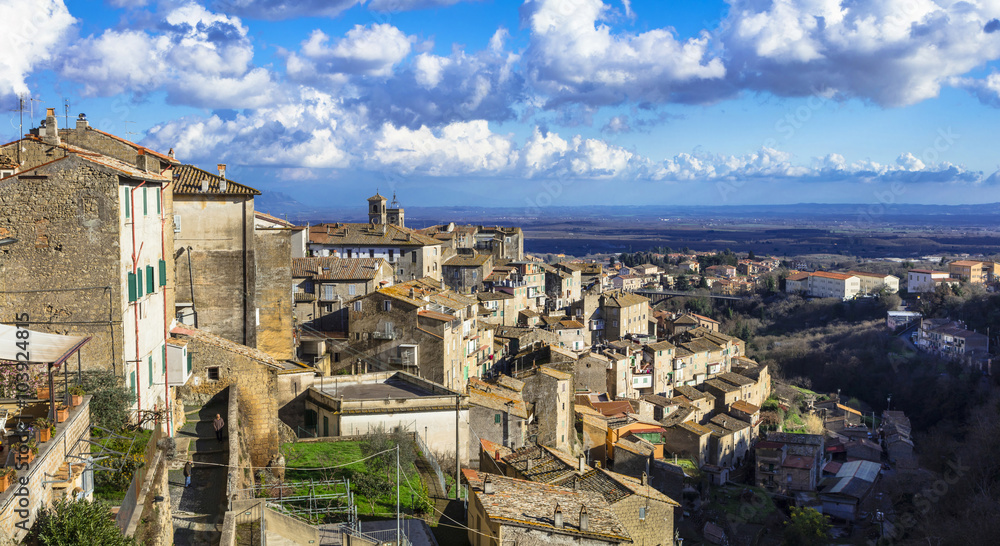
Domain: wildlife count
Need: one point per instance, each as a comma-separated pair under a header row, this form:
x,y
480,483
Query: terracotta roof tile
x,y
188,179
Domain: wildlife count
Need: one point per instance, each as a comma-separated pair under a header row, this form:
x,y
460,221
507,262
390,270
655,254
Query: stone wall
x,y
257,383
657,527
273,278
68,240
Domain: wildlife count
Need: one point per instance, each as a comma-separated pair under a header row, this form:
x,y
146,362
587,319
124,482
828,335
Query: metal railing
x,y
429,455
382,537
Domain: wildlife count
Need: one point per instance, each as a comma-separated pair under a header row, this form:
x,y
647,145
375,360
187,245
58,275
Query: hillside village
x,y
562,403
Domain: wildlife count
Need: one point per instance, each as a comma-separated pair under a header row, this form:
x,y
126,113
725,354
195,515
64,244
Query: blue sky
x,y
488,103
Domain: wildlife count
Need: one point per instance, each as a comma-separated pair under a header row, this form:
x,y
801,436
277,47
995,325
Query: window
x,y
132,293
177,223
348,253
157,202
128,203
496,418
642,513
145,202
150,361
131,381
327,291
138,283
163,273
351,289
150,281
392,254
413,257
213,373
189,363
387,305
357,306
371,253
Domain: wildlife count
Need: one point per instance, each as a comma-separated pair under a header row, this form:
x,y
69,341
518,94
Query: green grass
x,y
307,455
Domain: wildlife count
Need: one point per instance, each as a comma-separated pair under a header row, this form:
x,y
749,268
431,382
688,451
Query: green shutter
x,y
164,359
157,202
163,272
150,370
189,362
150,281
145,202
466,372
138,282
496,418
128,202
131,381
132,296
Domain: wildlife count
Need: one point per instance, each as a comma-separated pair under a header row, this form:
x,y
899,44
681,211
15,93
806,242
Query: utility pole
x,y
398,541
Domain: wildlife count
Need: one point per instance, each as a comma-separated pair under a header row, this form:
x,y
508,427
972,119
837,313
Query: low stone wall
x,y
240,464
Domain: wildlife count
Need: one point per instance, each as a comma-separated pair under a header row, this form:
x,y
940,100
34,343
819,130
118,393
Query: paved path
x,y
199,510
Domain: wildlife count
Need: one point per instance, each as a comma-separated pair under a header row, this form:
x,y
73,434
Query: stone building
x,y
464,273
273,278
499,308
420,327
550,393
504,510
497,413
562,286
322,287
215,254
624,314
92,250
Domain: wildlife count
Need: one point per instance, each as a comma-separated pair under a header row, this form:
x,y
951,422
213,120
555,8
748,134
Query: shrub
x,y
111,400
68,523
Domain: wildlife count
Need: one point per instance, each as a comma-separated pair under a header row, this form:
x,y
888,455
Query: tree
x,y
703,283
111,399
372,486
682,283
73,522
807,527
751,256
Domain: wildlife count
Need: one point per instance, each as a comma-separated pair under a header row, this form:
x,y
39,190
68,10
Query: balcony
x,y
383,335
643,381
304,297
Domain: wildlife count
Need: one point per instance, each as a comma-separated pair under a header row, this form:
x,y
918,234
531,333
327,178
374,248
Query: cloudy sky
x,y
499,102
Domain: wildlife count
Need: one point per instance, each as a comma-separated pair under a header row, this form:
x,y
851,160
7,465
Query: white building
x,y
924,280
872,283
823,284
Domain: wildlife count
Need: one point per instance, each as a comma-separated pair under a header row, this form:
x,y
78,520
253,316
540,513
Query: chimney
x,y
170,154
557,518
142,160
583,463
496,455
204,185
487,485
223,184
81,124
527,465
413,294
584,519
644,478
51,129
222,169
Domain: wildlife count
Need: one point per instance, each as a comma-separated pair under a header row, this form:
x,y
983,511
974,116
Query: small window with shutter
x,y
150,280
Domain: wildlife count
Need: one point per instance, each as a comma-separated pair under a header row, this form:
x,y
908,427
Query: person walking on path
x,y
218,423
188,470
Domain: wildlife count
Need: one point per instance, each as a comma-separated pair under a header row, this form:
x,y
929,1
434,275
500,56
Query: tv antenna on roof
x,y
66,108
127,132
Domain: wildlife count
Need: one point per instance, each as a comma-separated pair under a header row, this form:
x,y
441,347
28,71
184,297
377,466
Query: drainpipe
x,y
135,304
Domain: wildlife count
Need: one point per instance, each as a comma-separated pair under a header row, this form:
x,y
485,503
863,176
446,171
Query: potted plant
x,y
43,393
7,477
62,413
25,452
46,429
76,395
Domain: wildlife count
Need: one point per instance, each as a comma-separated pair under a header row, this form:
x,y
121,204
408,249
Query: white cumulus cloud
x,y
32,32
